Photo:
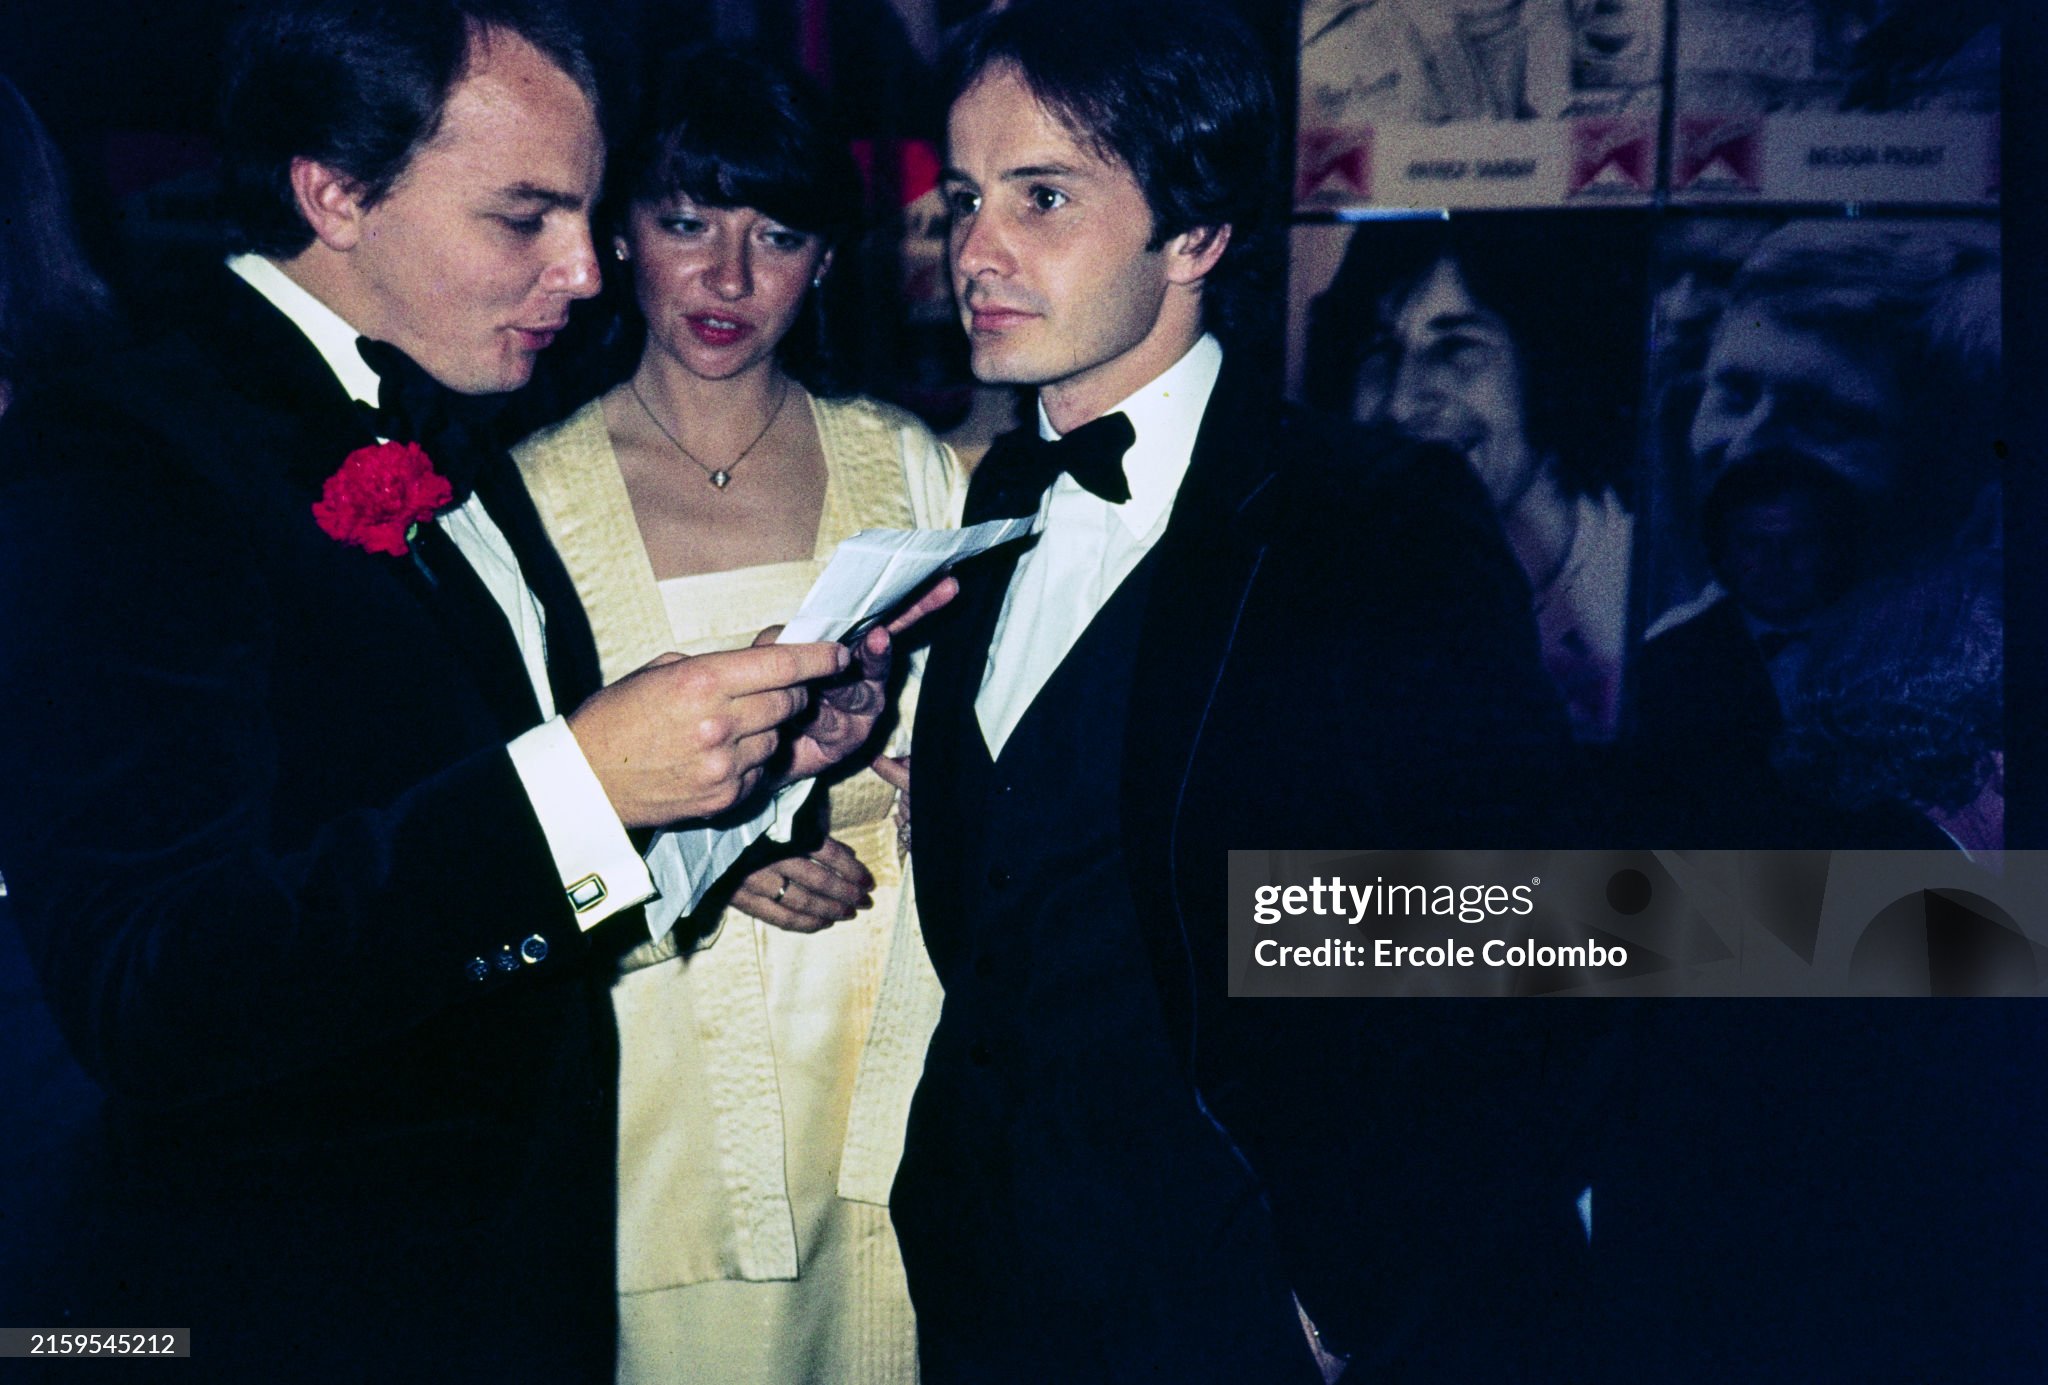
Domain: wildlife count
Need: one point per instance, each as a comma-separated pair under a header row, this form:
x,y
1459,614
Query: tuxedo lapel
x,y
953,673
1207,560
1001,489
300,422
473,623
572,651
1011,480
310,425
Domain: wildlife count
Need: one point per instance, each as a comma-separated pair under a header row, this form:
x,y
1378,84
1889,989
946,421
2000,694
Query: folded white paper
x,y
877,569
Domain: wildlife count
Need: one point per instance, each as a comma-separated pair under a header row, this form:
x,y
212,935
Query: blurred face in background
x,y
1442,367
1774,388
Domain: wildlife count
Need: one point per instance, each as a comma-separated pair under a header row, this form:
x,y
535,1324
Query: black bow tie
x,y
457,430
1093,455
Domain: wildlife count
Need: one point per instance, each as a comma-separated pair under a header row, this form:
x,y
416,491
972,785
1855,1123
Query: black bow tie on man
x,y
457,430
1092,454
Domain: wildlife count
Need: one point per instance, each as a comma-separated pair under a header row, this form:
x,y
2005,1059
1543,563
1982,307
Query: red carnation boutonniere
x,y
380,495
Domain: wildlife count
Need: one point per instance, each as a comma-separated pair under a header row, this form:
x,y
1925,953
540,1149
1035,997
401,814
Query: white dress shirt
x,y
1087,546
601,873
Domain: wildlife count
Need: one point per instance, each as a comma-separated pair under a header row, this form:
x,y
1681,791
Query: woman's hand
x,y
895,772
807,894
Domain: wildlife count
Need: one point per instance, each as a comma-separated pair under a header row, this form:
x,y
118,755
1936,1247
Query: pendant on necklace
x,y
720,477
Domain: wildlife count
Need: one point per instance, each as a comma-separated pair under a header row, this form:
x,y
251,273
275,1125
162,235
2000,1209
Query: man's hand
x,y
686,737
805,894
847,713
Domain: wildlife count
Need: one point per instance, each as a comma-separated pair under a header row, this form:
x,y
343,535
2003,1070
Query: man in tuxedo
x,y
318,834
1242,626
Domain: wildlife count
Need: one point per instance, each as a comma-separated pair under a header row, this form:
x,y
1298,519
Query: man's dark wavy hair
x,y
358,85
1177,93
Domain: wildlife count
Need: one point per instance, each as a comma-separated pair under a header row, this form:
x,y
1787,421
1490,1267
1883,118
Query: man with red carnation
x,y
314,818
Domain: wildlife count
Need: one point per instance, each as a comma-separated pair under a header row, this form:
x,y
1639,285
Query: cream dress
x,y
765,1075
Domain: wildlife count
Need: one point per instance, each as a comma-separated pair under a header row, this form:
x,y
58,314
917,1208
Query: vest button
x,y
999,878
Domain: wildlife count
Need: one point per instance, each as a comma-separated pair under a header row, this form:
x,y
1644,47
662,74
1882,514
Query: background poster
x,y
1821,564
1836,101
1478,103
1521,349
1749,464
1517,103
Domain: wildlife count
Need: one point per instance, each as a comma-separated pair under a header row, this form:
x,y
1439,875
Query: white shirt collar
x,y
1165,416
334,339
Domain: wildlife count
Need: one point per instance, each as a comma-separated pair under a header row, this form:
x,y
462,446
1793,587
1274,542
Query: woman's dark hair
x,y
358,85
1176,92
51,302
1572,297
730,127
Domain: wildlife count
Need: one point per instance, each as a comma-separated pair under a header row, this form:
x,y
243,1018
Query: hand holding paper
x,y
870,574
847,710
877,569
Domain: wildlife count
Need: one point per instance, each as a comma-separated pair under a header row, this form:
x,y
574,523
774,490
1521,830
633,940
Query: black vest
x,y
1065,1208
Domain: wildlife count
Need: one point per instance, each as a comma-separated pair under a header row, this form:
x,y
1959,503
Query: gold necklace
x,y
720,477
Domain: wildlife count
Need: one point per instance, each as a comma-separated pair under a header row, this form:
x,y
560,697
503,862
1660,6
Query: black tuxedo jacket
x,y
1337,651
283,888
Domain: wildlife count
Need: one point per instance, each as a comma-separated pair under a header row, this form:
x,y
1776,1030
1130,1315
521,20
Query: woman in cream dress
x,y
768,1052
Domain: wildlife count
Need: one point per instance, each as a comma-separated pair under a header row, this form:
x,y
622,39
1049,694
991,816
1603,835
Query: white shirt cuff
x,y
688,861
601,872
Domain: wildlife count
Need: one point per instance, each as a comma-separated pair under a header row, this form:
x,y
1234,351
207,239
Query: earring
x,y
619,249
819,281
